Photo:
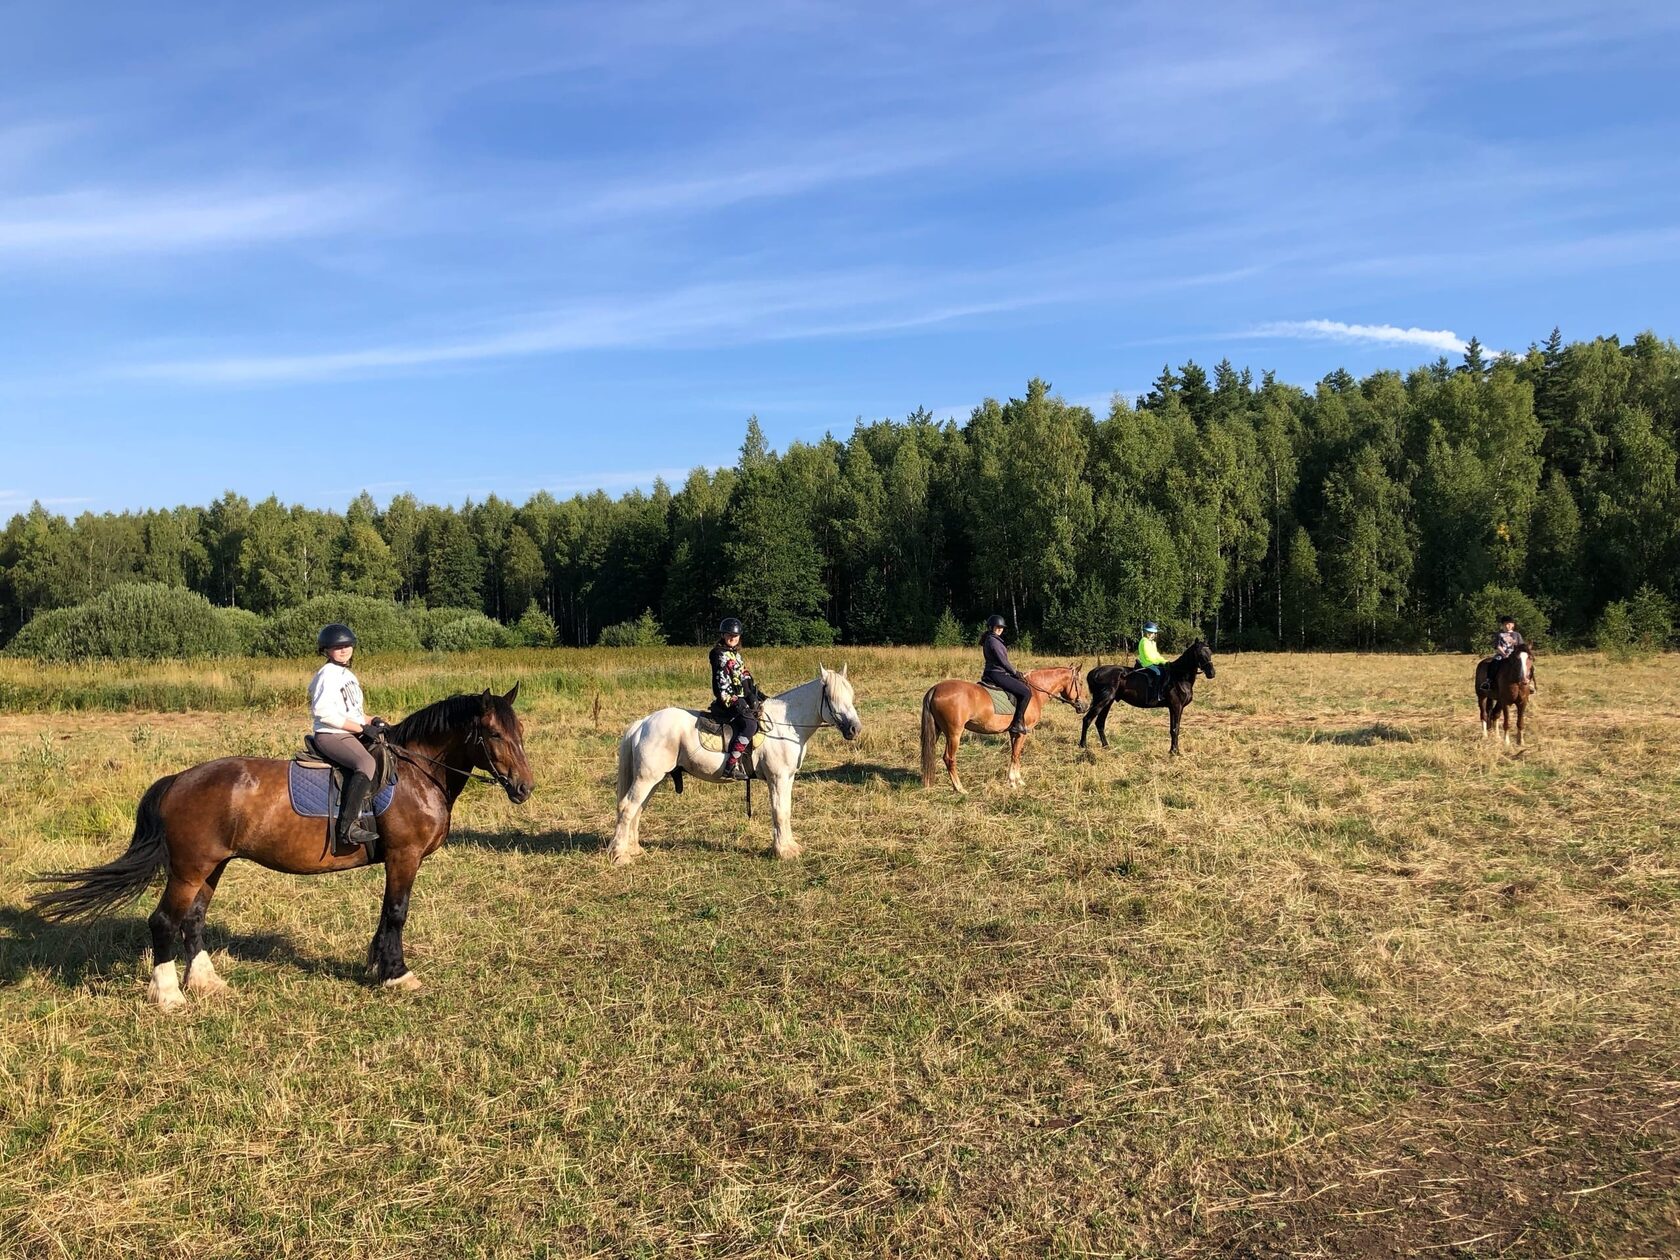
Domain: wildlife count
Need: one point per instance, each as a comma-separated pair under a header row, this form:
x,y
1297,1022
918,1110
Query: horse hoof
x,y
623,857
408,982
786,853
202,978
169,1001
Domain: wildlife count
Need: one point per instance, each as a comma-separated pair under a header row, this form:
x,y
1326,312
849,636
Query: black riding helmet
x,y
729,626
1511,620
995,622
336,635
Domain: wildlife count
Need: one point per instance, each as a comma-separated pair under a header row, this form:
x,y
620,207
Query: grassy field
x,y
1344,979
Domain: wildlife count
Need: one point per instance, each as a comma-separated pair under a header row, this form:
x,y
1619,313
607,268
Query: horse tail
x,y
930,736
100,890
626,766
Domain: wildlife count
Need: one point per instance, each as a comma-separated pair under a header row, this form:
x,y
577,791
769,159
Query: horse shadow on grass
x,y
76,953
1365,736
526,842
858,773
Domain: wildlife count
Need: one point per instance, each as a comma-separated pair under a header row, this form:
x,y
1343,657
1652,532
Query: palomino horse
x,y
668,743
1119,682
1510,683
954,706
197,821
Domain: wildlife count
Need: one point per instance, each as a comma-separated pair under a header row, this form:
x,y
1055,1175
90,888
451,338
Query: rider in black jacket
x,y
735,696
1004,676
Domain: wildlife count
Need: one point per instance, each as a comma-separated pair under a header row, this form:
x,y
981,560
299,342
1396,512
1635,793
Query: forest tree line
x,y
1397,510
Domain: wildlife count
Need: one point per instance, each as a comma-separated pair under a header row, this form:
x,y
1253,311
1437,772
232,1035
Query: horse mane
x,y
438,718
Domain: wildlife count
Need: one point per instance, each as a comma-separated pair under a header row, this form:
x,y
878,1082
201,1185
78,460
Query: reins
x,y
1054,695
825,717
492,775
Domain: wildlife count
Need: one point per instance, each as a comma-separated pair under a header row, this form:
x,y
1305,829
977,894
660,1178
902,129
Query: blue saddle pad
x,y
313,797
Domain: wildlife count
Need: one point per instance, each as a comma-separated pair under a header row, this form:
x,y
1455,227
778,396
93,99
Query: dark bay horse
x,y
1109,683
1510,682
954,706
195,822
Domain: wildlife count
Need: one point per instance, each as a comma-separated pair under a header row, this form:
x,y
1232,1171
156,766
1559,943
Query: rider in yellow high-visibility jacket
x,y
1150,658
1149,655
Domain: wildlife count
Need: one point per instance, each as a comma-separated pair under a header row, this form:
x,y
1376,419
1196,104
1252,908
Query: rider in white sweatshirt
x,y
335,701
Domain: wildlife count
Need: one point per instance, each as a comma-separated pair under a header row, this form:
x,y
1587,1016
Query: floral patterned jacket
x,y
732,681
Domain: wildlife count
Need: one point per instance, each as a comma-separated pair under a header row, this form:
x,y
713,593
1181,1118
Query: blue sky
x,y
462,249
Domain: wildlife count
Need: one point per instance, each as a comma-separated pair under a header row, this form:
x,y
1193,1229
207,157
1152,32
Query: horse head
x,y
1202,656
1075,688
838,702
500,739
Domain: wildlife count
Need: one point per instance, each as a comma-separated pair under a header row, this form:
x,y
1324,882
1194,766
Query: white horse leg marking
x,y
408,982
627,835
165,989
781,817
201,975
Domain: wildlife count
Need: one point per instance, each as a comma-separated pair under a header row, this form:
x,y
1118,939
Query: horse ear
x,y
843,668
512,695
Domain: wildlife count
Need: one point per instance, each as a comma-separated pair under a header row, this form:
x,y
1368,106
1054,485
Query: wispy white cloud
x,y
680,192
17,500
1443,339
110,222
850,304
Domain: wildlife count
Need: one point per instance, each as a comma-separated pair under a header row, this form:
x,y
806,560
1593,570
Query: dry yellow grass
x,y
1343,980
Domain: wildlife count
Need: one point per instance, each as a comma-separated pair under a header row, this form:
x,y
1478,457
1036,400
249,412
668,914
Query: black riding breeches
x,y
1015,687
740,717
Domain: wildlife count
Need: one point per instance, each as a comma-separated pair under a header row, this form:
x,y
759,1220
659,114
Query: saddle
x,y
715,736
315,784
1003,704
1153,679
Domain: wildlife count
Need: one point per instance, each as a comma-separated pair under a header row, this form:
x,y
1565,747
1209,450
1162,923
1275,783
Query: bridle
x,y
488,773
826,716
1073,677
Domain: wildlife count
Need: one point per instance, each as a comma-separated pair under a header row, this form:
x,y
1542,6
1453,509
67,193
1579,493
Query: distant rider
x,y
335,702
1149,658
1506,640
735,696
1004,676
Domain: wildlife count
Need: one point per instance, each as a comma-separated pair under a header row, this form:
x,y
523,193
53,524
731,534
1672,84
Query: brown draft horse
x,y
1510,683
954,706
195,822
1109,683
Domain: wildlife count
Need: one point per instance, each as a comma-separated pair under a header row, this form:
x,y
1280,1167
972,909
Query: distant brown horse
x,y
1510,682
954,706
1173,692
195,822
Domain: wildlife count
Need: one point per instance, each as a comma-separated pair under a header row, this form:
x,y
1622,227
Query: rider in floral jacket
x,y
735,696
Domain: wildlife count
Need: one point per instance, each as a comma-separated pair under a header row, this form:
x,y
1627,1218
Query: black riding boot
x,y
1018,725
350,831
732,767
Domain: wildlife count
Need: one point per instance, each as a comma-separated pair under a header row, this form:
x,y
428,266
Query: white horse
x,y
670,740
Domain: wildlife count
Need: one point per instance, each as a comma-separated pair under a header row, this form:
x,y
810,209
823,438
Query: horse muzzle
x,y
851,730
519,793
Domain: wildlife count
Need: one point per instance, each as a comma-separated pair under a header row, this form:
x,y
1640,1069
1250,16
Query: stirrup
x,y
356,838
735,771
